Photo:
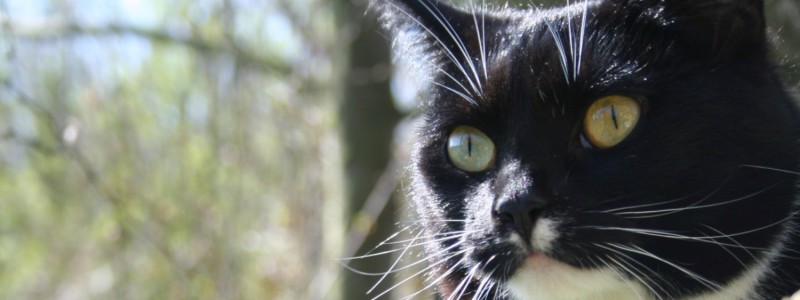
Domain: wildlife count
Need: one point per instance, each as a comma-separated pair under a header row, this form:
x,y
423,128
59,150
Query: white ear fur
x,y
413,55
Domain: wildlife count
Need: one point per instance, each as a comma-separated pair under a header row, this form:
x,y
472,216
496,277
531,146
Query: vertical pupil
x,y
469,144
614,117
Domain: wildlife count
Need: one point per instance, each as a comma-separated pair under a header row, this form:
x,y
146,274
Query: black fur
x,y
717,126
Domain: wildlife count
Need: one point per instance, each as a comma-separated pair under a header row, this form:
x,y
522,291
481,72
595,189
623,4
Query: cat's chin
x,y
542,277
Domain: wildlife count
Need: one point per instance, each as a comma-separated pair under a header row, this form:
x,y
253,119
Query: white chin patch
x,y
547,279
542,278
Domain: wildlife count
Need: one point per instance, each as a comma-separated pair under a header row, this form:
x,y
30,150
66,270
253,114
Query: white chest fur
x,y
542,278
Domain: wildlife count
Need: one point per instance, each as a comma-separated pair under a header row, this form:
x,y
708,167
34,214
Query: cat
x,y
608,149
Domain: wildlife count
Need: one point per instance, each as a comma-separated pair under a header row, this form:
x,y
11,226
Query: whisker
x,y
441,277
464,89
456,39
434,220
462,95
462,286
420,261
633,272
571,40
583,37
665,234
731,252
480,33
643,205
437,236
483,43
746,249
447,236
561,51
792,215
624,256
664,212
426,269
394,235
770,169
442,46
483,289
391,268
712,193
638,250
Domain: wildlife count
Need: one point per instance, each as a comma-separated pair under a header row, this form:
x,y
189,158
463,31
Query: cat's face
x,y
617,149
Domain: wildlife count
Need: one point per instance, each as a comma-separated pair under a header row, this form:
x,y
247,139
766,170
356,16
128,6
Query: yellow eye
x,y
610,120
470,149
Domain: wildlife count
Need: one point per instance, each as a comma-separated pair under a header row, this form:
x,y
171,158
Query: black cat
x,y
611,149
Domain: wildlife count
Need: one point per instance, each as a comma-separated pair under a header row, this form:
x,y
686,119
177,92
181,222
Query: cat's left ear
x,y
721,26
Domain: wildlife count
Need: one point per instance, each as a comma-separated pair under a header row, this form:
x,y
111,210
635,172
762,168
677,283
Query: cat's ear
x,y
722,26
433,33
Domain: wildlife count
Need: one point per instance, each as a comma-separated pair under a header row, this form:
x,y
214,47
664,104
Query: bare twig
x,y
58,28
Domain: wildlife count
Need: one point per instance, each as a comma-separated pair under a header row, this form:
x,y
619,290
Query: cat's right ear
x,y
430,21
430,33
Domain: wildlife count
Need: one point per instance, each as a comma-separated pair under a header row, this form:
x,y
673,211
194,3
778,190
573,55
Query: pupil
x,y
614,117
469,145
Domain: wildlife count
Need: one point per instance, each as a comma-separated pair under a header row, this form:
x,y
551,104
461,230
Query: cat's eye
x,y
610,120
470,149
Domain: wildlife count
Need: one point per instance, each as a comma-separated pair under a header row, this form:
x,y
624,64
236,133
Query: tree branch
x,y
56,27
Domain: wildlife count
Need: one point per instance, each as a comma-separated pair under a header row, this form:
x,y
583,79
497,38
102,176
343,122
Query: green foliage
x,y
176,158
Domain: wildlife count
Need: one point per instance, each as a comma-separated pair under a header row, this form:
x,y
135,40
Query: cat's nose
x,y
521,213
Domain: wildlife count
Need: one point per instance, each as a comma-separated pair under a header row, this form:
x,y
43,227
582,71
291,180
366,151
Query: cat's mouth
x,y
539,261
503,258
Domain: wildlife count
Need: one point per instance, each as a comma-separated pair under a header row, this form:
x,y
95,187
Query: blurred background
x,y
208,149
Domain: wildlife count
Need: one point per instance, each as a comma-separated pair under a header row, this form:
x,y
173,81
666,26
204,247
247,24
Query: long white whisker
x,y
583,37
465,97
638,250
457,82
626,257
480,33
770,169
482,290
447,236
792,215
442,46
433,220
462,286
669,235
435,237
644,205
394,235
571,38
426,269
731,253
632,271
483,39
457,39
732,240
391,268
420,261
441,277
561,51
664,212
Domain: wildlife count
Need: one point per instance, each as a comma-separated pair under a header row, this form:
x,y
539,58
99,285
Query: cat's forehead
x,y
582,49
476,56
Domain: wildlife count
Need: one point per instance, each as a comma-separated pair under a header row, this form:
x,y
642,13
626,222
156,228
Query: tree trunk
x,y
368,118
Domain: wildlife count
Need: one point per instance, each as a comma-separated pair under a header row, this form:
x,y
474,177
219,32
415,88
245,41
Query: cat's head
x,y
612,146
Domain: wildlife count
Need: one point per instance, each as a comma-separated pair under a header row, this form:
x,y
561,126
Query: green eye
x,y
610,120
470,149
